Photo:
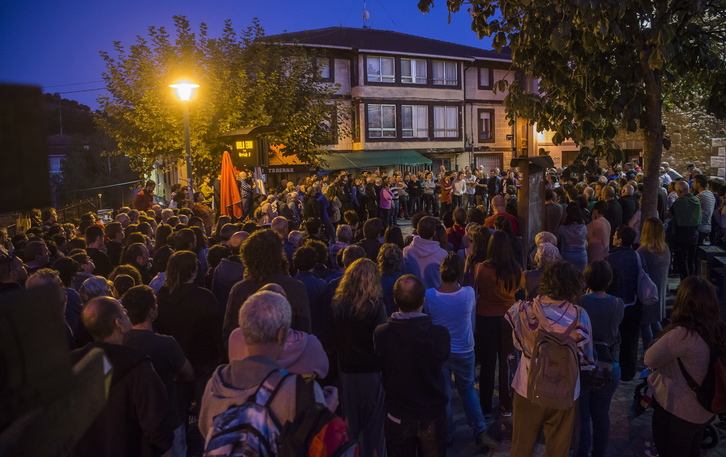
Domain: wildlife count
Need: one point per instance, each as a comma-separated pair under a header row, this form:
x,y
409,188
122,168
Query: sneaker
x,y
506,413
484,441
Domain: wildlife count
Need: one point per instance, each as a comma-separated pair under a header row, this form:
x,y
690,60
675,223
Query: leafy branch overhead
x,y
601,65
245,80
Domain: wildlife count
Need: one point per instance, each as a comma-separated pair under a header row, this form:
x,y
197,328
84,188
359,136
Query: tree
x,y
245,80
606,64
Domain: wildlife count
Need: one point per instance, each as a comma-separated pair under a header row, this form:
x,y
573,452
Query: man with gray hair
x,y
264,319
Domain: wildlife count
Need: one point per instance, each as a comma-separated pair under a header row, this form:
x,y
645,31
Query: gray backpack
x,y
554,367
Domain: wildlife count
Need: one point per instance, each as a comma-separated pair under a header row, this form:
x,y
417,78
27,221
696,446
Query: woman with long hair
x,y
657,256
394,235
572,237
683,351
358,308
555,310
189,313
496,281
479,238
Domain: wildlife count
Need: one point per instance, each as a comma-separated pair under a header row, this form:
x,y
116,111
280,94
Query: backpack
x,y
711,394
250,429
554,368
316,431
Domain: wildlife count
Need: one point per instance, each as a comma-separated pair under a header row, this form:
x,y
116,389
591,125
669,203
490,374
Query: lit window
x,y
382,121
445,73
414,121
381,69
413,71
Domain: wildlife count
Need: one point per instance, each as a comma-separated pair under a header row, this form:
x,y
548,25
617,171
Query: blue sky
x,y
56,44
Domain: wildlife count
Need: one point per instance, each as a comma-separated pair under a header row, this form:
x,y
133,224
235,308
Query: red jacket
x,y
144,201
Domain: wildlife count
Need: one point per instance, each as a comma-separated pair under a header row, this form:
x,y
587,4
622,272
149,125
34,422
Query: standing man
x,y
133,420
246,188
412,351
145,198
614,214
415,190
469,194
683,230
708,202
97,250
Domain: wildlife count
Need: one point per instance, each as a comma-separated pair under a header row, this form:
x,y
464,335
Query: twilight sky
x,y
55,44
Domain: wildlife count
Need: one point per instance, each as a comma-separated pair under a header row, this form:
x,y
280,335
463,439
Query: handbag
x,y
647,290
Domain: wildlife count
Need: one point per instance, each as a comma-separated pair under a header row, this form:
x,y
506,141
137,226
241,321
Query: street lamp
x,y
184,90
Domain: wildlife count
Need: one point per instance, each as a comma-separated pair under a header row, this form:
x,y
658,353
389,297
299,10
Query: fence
x,y
65,214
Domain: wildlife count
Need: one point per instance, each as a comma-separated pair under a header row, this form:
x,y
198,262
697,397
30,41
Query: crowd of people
x,y
197,312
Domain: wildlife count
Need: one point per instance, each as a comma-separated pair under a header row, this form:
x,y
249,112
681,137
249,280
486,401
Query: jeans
x,y
595,405
404,437
395,207
629,333
385,215
684,257
362,402
494,342
428,203
414,205
648,332
456,201
462,366
404,206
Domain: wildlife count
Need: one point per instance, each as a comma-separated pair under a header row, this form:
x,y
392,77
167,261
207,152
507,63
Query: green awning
x,y
367,159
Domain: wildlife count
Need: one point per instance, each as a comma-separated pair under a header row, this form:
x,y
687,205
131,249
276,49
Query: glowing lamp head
x,y
184,90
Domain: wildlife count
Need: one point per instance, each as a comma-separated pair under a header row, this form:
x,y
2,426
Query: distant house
x,y
414,97
57,152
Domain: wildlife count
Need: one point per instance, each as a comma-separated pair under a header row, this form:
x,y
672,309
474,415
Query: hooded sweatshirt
x,y
412,351
232,384
303,353
422,259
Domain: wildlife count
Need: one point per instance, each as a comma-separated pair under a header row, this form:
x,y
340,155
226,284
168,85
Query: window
x,y
413,71
446,121
322,64
414,121
381,69
486,125
382,121
486,75
445,73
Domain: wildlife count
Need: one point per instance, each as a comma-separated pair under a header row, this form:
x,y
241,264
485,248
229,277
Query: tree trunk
x,y
653,150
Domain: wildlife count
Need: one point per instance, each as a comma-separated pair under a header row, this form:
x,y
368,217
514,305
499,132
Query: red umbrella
x,y
230,199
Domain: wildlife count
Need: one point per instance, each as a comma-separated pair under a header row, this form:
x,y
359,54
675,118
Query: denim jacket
x,y
625,273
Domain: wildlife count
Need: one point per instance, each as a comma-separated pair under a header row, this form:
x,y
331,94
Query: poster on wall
x,y
718,162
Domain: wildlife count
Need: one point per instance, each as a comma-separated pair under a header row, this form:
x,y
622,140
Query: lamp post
x,y
184,91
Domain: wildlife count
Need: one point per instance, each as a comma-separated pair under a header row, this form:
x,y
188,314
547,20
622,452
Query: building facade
x,y
409,93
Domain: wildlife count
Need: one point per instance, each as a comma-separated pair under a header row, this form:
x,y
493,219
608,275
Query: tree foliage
x,y
245,80
608,64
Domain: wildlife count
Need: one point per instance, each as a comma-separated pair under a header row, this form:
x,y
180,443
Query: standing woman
x,y
358,308
553,309
385,204
428,193
572,237
657,256
189,313
447,186
683,350
606,314
496,281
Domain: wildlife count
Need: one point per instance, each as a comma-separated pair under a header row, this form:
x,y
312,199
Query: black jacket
x,y
411,352
133,421
191,316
